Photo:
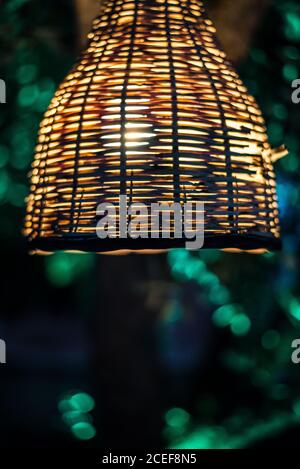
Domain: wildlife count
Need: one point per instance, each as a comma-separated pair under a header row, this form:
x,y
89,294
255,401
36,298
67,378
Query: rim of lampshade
x,y
90,243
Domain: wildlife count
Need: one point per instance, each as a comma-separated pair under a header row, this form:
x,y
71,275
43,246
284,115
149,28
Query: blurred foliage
x,y
255,299
34,58
75,408
38,48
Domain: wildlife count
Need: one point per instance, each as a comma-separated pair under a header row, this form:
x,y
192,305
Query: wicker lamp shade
x,y
152,110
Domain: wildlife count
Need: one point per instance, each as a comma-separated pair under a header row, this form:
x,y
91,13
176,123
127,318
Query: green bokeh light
x,y
74,416
240,325
186,266
294,308
27,95
203,438
13,5
63,268
83,430
177,417
292,26
224,315
219,295
290,72
64,405
82,402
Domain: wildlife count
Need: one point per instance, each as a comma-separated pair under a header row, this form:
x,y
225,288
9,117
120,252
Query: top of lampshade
x,y
152,110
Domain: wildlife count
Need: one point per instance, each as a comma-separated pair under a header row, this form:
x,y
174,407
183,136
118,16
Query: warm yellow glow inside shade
x,y
152,109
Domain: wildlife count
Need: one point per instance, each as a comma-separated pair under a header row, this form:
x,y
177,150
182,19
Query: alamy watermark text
x,y
156,220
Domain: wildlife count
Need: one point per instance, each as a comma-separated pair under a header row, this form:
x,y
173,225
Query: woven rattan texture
x,y
152,109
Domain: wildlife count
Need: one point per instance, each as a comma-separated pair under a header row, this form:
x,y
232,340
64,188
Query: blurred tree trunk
x,y
236,21
86,10
127,374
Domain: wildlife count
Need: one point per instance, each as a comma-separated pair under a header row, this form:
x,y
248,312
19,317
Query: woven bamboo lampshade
x,y
152,110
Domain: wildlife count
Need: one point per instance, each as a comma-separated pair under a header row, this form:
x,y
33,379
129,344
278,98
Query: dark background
x,y
185,350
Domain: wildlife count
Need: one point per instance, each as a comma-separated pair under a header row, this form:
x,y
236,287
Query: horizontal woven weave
x,y
152,109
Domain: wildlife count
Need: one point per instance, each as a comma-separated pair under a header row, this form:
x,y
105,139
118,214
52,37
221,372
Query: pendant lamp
x,y
154,111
